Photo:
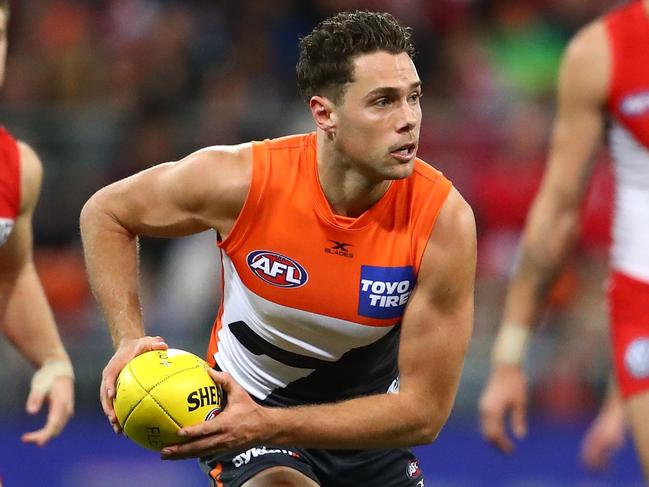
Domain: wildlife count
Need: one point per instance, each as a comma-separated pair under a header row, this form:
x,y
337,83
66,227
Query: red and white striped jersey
x,y
628,103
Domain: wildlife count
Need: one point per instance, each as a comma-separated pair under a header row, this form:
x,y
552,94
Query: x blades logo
x,y
339,248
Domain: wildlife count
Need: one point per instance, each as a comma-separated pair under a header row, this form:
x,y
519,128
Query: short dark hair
x,y
327,54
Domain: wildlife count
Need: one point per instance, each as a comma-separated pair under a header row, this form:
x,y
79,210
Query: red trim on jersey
x,y
9,176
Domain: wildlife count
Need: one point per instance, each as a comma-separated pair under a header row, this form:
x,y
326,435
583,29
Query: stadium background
x,y
104,88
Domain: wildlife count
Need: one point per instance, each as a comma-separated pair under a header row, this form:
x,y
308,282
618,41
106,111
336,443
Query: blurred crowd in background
x,y
106,88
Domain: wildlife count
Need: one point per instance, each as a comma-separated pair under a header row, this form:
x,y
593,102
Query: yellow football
x,y
161,391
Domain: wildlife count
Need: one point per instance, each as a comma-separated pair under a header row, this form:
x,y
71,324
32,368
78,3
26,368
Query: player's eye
x,y
382,102
415,97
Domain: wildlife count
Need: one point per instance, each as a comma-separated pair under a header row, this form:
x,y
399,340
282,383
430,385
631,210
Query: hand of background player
x,y
125,352
60,397
505,395
241,424
604,437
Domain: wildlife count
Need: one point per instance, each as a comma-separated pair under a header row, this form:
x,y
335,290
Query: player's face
x,y
3,43
378,120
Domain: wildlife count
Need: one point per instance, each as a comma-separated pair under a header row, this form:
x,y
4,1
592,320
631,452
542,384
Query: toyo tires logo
x,y
276,269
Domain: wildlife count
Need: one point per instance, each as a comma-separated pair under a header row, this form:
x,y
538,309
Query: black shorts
x,y
329,468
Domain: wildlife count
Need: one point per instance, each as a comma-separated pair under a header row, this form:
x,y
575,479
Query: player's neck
x,y
348,192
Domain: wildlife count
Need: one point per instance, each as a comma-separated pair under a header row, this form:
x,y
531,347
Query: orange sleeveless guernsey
x,y
311,300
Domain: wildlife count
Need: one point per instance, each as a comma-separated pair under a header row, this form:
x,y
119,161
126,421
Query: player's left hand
x,y
504,397
242,423
61,406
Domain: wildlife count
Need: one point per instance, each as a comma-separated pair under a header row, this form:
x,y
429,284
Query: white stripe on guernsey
x,y
630,233
259,375
290,329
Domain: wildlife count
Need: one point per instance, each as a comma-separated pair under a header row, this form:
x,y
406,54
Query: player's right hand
x,y
127,350
504,396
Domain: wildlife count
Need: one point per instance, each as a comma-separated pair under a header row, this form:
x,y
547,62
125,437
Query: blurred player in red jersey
x,y
604,78
25,315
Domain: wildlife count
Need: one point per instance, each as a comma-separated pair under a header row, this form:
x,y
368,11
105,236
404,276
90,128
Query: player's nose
x,y
408,118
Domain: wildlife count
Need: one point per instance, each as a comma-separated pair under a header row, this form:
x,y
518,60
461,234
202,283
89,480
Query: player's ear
x,y
322,110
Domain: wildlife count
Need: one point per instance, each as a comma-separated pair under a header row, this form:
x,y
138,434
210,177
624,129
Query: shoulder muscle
x,y
448,264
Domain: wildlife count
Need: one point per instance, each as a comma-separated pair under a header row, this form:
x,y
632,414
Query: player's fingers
x,y
106,396
519,420
594,455
151,343
200,446
594,459
106,404
224,379
56,420
40,437
35,437
34,402
492,425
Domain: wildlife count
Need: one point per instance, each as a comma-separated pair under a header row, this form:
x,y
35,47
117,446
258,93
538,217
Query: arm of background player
x,y
25,315
435,333
552,225
205,190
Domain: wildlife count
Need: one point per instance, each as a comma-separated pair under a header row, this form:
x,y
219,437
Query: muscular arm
x,y
205,190
552,225
553,222
434,338
25,315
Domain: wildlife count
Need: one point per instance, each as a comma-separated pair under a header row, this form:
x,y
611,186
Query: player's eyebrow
x,y
390,91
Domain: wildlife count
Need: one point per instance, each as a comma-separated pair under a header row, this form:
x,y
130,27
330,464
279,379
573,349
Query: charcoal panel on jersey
x,y
361,371
257,345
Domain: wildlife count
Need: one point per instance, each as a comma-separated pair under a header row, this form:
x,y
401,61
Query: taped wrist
x,y
510,344
51,369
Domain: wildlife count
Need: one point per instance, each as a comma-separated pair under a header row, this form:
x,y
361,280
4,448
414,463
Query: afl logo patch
x,y
636,358
413,469
277,269
212,414
6,225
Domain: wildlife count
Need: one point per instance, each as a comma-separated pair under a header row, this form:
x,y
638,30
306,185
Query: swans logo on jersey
x,y
384,291
636,358
413,469
6,225
635,104
277,269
